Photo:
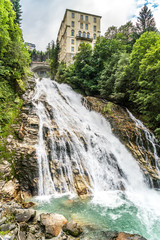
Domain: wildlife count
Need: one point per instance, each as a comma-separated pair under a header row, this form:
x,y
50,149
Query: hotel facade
x,y
77,27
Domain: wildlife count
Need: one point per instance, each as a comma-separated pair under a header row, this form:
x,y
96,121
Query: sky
x,y
41,19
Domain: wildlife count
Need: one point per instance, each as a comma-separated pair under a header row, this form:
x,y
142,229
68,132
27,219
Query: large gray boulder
x,y
72,228
53,223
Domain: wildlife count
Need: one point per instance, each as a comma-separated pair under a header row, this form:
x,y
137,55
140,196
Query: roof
x,y
83,13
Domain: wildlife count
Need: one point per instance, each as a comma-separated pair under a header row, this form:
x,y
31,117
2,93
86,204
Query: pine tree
x,y
145,21
54,54
17,9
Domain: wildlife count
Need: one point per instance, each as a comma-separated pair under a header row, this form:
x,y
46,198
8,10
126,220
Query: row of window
x,y
82,17
86,25
80,34
72,48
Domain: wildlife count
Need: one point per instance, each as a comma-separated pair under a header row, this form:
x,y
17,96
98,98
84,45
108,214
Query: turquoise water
x,y
121,215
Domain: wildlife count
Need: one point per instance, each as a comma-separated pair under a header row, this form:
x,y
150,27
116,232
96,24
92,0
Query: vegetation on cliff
x,y
123,67
14,62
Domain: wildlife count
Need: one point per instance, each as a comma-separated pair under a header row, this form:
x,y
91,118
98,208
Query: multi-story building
x,y
30,46
75,28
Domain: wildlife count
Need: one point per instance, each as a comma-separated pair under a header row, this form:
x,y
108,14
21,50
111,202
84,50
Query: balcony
x,y
84,38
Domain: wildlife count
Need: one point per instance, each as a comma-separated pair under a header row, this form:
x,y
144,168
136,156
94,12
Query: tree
x,y
145,21
17,9
54,56
111,32
14,55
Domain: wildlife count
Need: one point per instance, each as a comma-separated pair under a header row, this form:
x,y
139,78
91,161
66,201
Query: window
x,y
81,17
94,36
72,15
87,18
72,24
94,28
95,20
72,33
72,49
84,34
81,25
88,35
72,41
86,26
79,33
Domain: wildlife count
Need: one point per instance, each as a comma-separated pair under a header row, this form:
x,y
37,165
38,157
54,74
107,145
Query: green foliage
x,y
54,53
14,63
17,9
126,34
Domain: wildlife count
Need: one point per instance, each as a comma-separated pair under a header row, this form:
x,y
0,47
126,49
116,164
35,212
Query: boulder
x,y
31,237
72,228
2,221
127,236
53,223
24,215
10,189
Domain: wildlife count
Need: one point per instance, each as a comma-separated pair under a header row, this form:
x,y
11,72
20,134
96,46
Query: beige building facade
x,y
77,27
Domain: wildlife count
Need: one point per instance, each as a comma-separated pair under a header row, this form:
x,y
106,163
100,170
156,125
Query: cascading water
x,y
77,153
152,144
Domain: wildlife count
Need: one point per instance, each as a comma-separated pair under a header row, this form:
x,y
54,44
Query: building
x,y
75,28
30,46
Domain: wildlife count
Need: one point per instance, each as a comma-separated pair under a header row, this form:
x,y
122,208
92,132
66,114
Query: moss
x,y
108,108
2,233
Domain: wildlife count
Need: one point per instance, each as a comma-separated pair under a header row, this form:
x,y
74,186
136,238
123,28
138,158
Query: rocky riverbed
x,y
19,223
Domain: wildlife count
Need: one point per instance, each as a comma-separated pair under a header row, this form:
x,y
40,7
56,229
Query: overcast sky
x,y
42,18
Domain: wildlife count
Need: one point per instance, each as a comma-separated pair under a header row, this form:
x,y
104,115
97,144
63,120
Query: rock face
x,y
25,159
126,130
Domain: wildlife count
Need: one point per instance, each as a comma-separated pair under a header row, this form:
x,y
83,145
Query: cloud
x,y
42,19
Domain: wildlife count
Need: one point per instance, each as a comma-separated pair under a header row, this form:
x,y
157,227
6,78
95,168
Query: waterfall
x,y
147,142
77,150
78,154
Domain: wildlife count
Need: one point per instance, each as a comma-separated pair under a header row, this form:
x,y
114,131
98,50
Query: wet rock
x,y
10,188
5,227
22,235
12,226
2,221
73,229
126,236
31,237
53,223
23,226
24,215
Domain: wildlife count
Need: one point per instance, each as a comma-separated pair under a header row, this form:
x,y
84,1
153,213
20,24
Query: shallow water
x,y
113,211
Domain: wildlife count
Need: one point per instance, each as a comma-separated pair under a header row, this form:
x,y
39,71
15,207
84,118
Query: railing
x,y
86,38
